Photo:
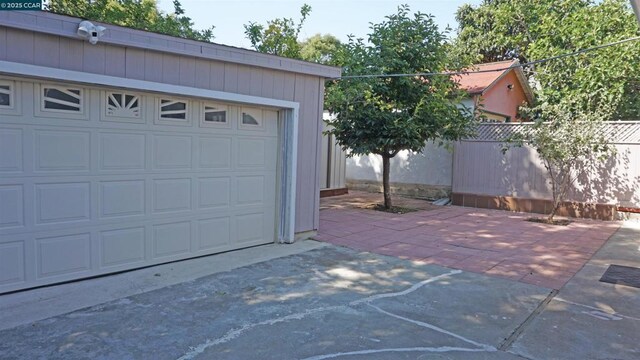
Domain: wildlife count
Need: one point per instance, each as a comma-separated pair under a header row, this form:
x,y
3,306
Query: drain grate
x,y
622,275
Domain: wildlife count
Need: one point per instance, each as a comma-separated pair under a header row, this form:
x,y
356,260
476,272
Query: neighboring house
x,y
500,93
428,174
144,148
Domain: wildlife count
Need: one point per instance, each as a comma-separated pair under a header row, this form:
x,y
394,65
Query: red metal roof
x,y
476,83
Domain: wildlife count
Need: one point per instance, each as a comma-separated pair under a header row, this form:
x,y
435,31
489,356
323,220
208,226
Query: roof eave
x,y
66,26
528,92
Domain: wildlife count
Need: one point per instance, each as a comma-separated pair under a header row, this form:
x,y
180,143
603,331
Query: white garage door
x,y
99,180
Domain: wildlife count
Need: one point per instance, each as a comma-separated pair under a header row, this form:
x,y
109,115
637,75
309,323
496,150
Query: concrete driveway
x,y
325,303
329,302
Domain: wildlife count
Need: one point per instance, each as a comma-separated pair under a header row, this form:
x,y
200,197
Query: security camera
x,y
91,32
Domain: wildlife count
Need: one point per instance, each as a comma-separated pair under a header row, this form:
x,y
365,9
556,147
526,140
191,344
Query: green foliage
x,y
320,49
388,114
279,37
537,29
567,143
138,14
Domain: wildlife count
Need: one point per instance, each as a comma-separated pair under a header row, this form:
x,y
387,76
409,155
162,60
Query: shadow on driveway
x,y
491,242
326,303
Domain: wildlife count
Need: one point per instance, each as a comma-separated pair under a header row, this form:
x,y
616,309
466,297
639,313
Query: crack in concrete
x,y
440,349
506,344
436,328
232,334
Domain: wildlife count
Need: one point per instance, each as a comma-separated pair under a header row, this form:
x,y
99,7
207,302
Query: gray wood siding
x,y
479,167
308,186
71,54
65,26
3,43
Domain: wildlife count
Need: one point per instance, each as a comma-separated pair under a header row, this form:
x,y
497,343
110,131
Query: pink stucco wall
x,y
502,100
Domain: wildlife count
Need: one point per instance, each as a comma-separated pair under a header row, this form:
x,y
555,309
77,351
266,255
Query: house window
x,y
6,95
215,114
173,110
492,117
123,105
61,99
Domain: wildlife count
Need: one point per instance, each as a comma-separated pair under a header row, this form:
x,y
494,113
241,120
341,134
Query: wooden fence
x,y
332,165
484,177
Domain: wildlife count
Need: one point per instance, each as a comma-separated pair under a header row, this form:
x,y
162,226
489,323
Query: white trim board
x,y
47,73
286,229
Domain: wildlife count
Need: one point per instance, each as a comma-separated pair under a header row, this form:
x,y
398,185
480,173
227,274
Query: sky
x,y
339,18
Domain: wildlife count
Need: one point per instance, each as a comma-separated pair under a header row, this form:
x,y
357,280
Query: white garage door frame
x,y
288,124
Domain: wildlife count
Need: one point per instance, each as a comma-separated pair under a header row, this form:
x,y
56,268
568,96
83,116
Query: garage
x,y
101,174
171,177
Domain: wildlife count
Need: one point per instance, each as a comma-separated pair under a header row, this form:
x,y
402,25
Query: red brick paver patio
x,y
492,242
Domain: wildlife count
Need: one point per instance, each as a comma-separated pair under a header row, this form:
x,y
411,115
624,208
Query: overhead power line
x,y
451,73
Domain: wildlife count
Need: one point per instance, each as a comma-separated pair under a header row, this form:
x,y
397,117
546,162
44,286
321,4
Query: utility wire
x,y
581,51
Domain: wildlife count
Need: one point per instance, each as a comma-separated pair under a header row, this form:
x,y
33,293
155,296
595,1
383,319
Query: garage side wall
x,y
73,54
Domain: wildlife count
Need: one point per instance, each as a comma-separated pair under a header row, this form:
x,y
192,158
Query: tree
x,y
138,14
384,115
537,29
567,143
320,49
279,37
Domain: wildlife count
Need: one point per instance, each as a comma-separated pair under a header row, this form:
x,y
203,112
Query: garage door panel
x,y
122,198
120,151
122,246
77,255
215,153
214,192
11,150
12,263
214,233
250,190
171,239
62,150
256,153
11,206
171,195
251,153
171,152
250,228
63,202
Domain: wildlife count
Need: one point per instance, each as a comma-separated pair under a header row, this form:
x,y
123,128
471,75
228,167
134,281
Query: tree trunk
x,y
385,181
560,186
556,200
556,206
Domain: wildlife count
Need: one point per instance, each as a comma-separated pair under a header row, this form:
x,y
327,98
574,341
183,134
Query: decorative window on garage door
x,y
62,101
214,115
6,94
9,102
172,111
251,119
122,106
